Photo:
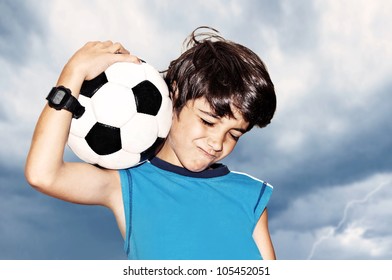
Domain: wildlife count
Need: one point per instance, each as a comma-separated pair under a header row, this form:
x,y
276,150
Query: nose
x,y
215,142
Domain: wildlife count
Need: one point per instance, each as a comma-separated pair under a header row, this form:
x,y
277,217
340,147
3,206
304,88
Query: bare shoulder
x,y
81,183
89,184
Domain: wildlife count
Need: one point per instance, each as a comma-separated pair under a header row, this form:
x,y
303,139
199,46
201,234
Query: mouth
x,y
207,154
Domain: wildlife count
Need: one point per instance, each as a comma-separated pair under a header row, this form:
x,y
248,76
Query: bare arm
x,y
45,168
263,239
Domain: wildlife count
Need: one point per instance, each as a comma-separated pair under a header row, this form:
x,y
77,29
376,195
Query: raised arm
x,y
45,168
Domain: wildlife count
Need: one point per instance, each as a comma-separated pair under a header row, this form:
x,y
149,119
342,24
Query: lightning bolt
x,y
342,221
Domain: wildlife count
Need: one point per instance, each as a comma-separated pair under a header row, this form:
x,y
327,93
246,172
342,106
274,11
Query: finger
x,y
123,50
127,57
117,48
107,43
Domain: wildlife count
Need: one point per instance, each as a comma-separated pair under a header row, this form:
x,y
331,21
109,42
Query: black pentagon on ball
x,y
104,139
89,88
147,97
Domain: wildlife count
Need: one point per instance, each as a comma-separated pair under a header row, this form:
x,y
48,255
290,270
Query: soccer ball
x,y
127,116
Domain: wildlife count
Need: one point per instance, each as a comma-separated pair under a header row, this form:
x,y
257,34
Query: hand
x,y
95,57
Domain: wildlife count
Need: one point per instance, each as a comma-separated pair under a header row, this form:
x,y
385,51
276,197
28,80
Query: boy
x,y
182,204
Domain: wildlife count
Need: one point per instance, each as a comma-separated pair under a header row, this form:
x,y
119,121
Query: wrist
x,y
61,97
71,78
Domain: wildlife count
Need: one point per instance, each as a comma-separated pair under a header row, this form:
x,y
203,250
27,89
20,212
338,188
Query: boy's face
x,y
198,138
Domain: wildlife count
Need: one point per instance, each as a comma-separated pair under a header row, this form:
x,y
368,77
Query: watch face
x,y
59,96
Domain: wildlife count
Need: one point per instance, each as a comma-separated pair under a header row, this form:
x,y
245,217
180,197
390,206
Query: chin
x,y
196,167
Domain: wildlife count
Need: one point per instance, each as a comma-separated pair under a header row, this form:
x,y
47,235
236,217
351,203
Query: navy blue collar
x,y
215,170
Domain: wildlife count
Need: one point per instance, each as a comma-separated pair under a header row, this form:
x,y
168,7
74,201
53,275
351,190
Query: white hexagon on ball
x,y
114,105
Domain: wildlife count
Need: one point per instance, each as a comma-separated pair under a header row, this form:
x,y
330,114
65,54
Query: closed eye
x,y
236,138
207,123
211,124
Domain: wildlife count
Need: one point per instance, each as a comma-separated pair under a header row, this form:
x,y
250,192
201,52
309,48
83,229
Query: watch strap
x,y
74,107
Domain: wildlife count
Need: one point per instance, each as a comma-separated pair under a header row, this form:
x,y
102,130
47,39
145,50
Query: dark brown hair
x,y
225,73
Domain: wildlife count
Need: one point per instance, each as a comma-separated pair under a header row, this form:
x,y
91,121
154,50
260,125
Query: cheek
x,y
230,146
182,131
190,130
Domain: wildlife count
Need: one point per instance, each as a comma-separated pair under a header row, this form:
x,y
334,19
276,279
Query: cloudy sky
x,y
327,152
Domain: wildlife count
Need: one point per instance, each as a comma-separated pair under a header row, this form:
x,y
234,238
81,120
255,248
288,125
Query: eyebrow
x,y
243,131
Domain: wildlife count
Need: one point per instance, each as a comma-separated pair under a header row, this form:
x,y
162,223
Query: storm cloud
x,y
327,151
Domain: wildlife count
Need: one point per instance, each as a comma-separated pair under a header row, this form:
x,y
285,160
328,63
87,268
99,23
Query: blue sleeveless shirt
x,y
172,213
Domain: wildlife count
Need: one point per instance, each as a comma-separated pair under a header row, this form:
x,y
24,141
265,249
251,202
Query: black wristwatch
x,y
61,98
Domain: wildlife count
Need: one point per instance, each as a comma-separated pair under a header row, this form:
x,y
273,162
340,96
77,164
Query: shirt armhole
x,y
262,201
126,187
